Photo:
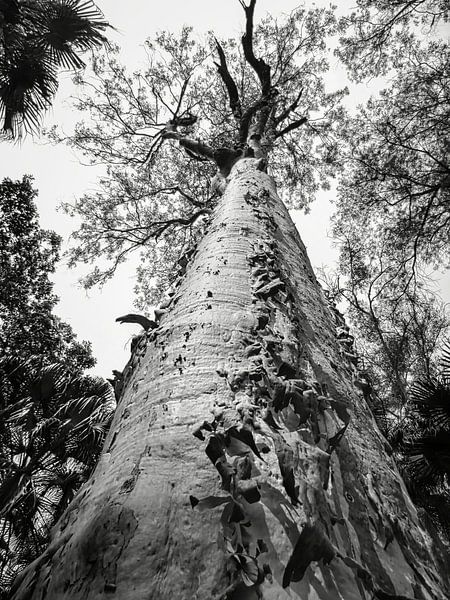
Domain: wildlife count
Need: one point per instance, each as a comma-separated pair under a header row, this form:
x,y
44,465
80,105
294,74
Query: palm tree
x,y
424,453
37,38
52,430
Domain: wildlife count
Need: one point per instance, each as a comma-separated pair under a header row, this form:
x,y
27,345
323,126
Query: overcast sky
x,y
59,177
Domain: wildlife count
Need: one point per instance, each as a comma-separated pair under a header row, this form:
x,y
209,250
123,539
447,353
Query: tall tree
x,y
37,38
28,256
392,211
245,375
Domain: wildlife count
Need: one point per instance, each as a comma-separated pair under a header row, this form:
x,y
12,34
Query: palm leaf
x,y
427,459
69,25
27,85
48,382
431,400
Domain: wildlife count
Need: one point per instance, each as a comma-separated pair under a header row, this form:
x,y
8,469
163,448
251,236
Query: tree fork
x,y
242,460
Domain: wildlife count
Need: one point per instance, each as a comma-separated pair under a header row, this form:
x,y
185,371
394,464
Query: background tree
x,y
398,170
392,212
37,39
53,418
376,34
53,424
29,254
244,370
393,200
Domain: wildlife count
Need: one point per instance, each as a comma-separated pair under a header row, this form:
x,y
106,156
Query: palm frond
x,y
427,459
69,25
39,38
48,382
27,85
431,400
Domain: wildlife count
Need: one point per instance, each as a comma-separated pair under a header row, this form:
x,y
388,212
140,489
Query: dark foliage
x,y
37,38
423,447
28,255
52,427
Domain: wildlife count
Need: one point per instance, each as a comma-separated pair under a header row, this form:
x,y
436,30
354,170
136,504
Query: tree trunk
x,y
303,499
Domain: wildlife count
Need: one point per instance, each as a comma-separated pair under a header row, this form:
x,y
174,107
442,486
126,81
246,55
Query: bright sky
x,y
59,177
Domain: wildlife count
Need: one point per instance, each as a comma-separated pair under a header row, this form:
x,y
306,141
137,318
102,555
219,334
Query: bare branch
x,y
194,146
291,126
233,95
179,221
261,68
284,115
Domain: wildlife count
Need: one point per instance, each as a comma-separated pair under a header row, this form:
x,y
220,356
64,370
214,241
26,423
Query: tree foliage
x,y
37,38
220,101
52,417
392,223
375,35
399,172
52,429
28,255
423,444
392,213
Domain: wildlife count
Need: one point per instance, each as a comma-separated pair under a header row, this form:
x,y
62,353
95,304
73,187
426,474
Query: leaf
x,y
214,449
250,571
312,545
239,441
208,502
248,488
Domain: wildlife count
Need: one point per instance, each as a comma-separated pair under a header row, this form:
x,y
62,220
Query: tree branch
x,y
284,115
233,95
291,126
179,221
193,146
261,68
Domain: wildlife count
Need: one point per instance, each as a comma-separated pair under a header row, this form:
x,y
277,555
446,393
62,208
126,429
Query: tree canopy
x,y
220,100
29,254
393,202
392,222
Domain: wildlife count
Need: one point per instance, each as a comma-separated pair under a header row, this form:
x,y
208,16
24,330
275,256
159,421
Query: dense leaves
x,y
52,429
52,418
423,446
393,205
28,255
37,38
399,172
375,35
156,194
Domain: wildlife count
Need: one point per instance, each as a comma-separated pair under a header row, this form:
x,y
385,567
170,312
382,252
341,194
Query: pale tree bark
x,y
247,358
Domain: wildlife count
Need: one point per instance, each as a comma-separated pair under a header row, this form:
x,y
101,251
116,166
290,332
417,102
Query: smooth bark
x,y
249,344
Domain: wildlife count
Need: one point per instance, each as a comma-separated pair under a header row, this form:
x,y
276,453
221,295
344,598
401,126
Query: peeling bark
x,y
243,462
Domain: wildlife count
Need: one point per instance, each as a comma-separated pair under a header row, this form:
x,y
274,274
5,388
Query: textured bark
x,y
246,354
